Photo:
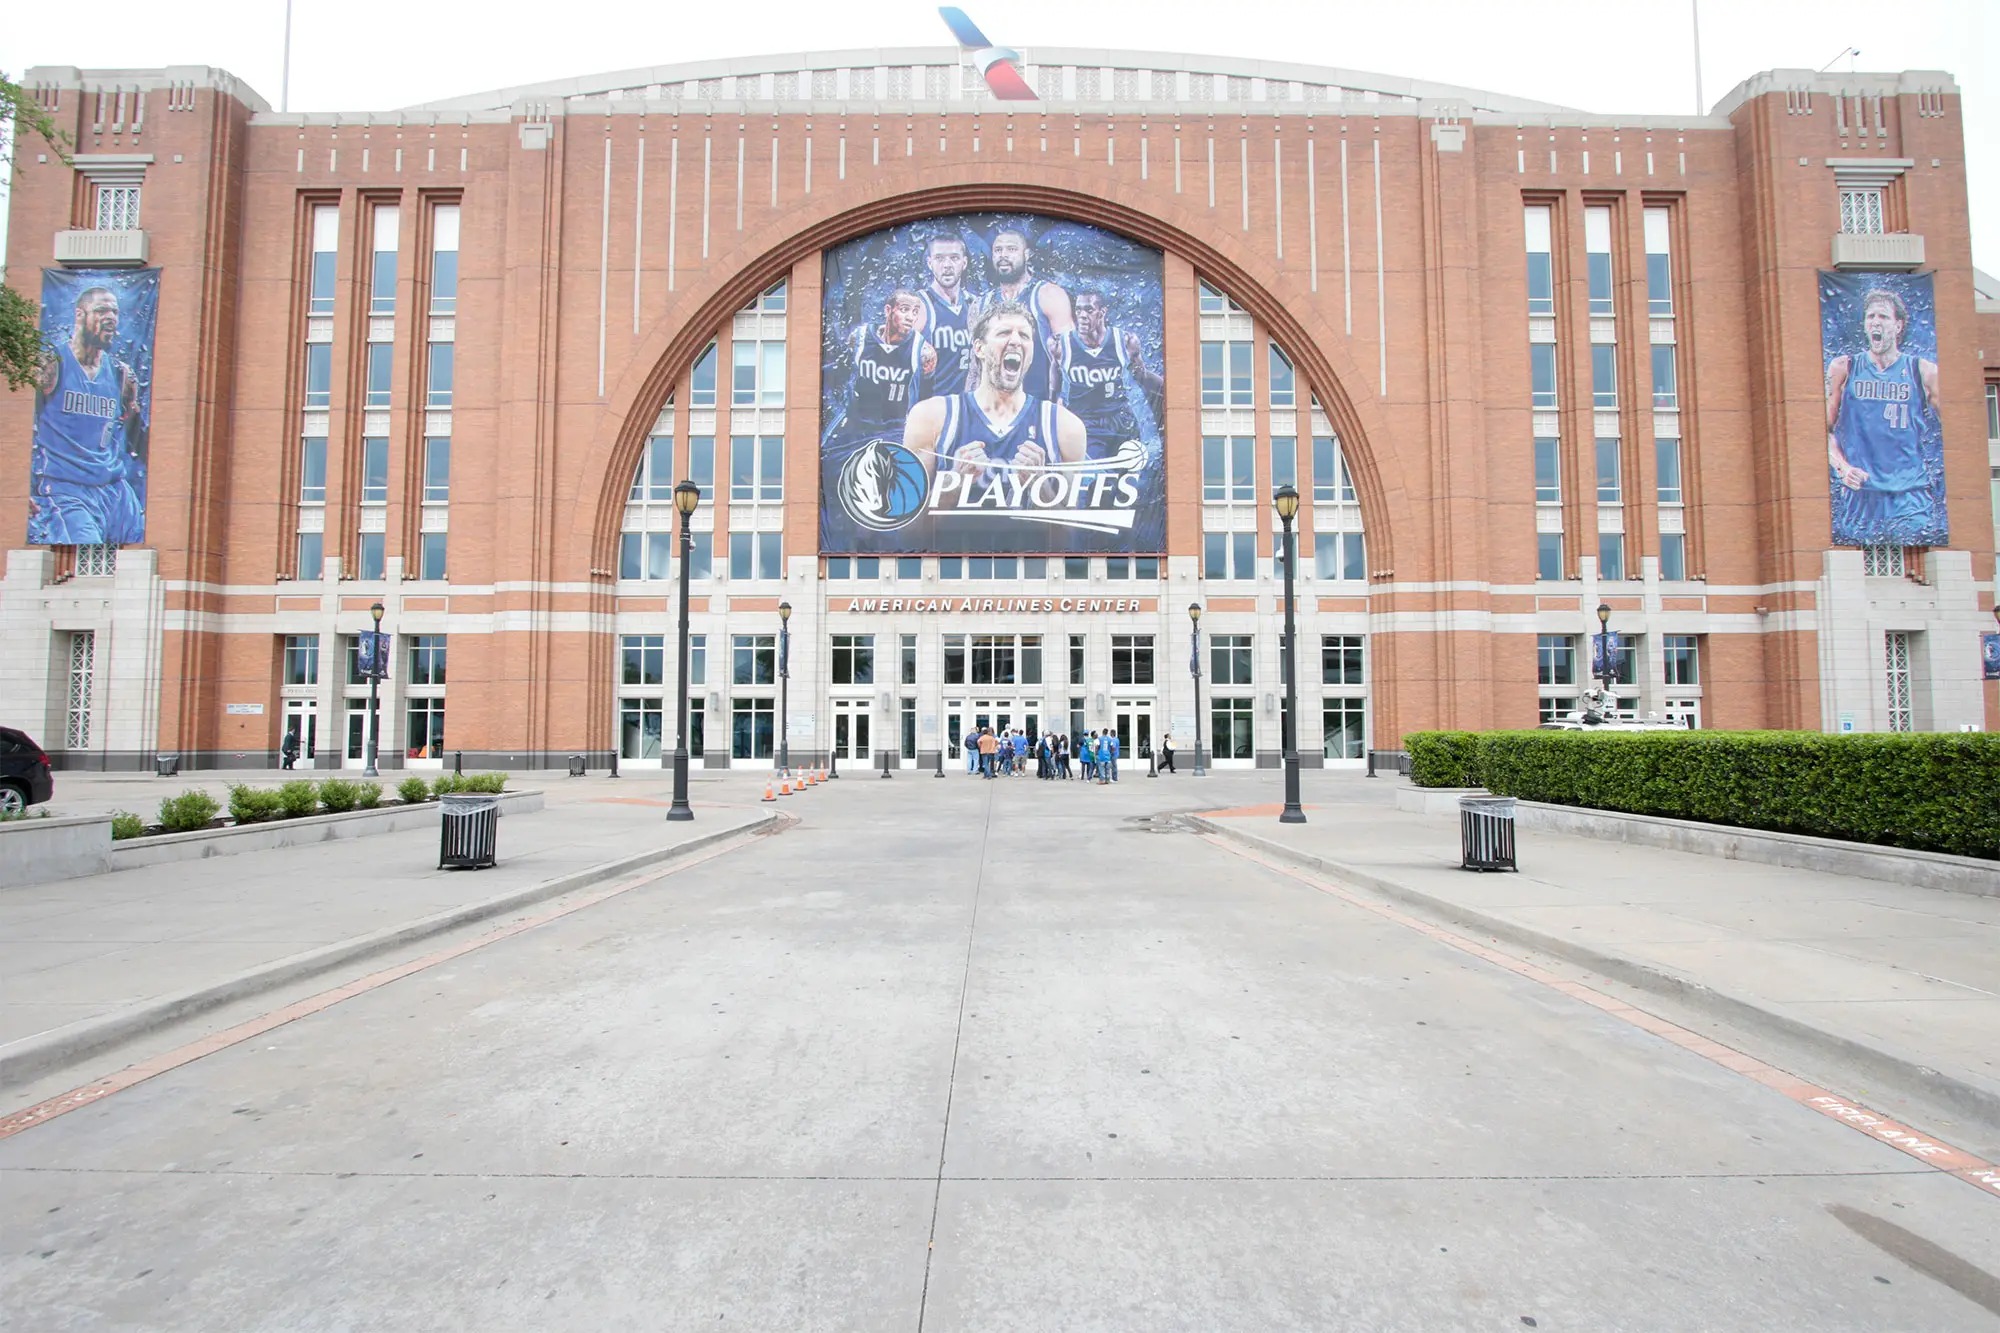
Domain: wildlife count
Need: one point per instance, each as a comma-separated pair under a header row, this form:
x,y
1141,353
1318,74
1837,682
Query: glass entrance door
x,y
851,719
1133,719
356,754
302,719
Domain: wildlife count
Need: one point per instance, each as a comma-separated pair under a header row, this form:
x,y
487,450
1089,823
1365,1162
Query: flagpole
x,y
285,85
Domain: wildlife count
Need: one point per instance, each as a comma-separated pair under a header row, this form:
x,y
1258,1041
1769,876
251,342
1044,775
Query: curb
x,y
1969,1100
46,1052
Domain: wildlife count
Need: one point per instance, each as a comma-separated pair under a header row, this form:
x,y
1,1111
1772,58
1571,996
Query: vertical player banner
x,y
991,383
93,407
1604,651
1989,656
1885,451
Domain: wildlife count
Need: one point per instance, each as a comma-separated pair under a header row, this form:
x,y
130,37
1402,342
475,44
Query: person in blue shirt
x,y
89,455
1881,414
1111,755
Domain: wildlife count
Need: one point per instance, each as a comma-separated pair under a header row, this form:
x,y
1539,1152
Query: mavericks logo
x,y
882,486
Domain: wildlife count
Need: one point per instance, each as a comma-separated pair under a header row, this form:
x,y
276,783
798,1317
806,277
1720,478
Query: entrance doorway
x,y
302,717
356,754
1133,721
852,731
962,716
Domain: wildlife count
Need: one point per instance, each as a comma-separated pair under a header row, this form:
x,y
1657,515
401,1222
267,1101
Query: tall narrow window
x,y
1284,381
82,670
1284,461
1902,716
444,259
312,471
1667,452
325,239
701,465
1611,555
372,549
437,470
1666,382
1542,374
374,470
1228,468
1610,487
1541,269
438,393
312,555
431,564
1597,257
379,356
382,270
1603,375
1659,262
1673,556
319,375
1548,470
660,470
701,381
1549,556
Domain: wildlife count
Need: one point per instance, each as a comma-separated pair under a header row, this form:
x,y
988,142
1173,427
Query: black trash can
x,y
166,765
576,765
1486,832
470,831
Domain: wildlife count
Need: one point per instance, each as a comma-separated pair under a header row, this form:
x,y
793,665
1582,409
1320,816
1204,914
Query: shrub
x,y
248,805
1443,758
192,809
298,797
125,824
447,783
367,795
413,790
1928,792
338,794
493,783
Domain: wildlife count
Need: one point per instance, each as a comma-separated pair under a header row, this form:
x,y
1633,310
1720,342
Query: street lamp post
x,y
1610,672
687,497
1286,501
374,681
1194,667
784,685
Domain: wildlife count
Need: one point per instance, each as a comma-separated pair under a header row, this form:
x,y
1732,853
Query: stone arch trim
x,y
671,345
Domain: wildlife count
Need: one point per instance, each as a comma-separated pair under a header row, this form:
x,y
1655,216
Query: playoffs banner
x,y
93,407
1885,452
1989,656
991,383
1604,655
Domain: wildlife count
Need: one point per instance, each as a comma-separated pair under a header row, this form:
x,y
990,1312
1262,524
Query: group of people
x,y
1006,753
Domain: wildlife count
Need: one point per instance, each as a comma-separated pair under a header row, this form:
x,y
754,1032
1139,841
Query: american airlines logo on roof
x,y
996,63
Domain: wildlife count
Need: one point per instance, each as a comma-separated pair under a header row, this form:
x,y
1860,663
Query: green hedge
x,y
1930,792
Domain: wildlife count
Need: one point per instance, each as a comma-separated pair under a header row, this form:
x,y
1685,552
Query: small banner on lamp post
x,y
1989,655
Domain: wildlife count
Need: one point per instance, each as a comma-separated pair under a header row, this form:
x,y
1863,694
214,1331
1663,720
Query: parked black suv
x,y
25,779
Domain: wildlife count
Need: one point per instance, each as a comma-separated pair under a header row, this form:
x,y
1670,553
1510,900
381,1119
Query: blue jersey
x,y
948,328
80,434
1039,379
888,378
1095,384
1884,420
965,422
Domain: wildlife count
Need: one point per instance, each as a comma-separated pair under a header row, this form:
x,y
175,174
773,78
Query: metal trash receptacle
x,y
1486,832
166,765
470,831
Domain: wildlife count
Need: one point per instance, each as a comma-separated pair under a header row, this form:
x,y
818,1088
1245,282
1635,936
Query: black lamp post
x,y
687,497
1610,672
1286,501
784,685
1194,667
374,680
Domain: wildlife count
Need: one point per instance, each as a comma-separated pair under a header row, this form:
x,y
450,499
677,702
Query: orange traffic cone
x,y
769,794
785,787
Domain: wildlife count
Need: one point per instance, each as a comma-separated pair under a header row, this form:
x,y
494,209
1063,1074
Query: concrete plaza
x,y
1002,1055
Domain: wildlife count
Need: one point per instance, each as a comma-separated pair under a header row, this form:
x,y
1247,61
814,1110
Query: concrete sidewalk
x,y
94,961
1896,983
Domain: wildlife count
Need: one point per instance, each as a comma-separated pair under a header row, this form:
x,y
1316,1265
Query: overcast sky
x,y
1606,56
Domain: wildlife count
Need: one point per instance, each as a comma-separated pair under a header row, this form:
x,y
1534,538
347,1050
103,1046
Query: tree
x,y
21,348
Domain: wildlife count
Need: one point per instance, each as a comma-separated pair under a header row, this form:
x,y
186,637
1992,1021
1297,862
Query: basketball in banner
x,y
991,383
1884,448
93,407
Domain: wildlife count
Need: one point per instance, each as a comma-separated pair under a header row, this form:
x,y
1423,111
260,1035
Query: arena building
x,y
1519,360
